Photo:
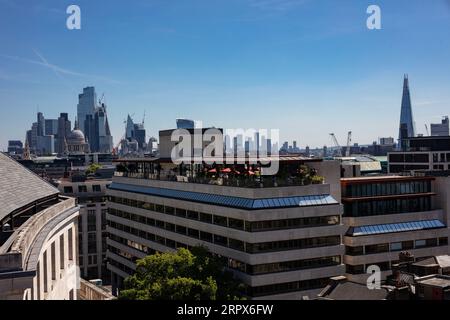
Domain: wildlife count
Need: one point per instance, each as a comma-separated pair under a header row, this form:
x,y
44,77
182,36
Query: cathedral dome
x,y
76,137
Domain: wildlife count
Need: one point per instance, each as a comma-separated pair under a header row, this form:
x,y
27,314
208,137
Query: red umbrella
x,y
226,170
212,171
250,173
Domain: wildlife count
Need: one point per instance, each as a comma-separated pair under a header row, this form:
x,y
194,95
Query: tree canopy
x,y
182,275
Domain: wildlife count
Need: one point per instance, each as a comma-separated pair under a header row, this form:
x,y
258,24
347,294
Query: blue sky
x,y
307,67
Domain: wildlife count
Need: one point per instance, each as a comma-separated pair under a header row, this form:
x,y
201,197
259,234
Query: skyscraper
x,y
185,124
40,124
86,105
406,116
64,129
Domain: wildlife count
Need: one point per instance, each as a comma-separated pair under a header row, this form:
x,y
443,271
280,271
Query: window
x,y
45,271
420,243
92,220
180,213
170,210
96,188
82,188
205,217
70,241
192,215
236,223
61,251
221,221
396,246
354,251
92,242
68,190
53,260
206,236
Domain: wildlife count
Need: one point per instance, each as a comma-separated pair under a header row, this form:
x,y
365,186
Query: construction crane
x,y
349,141
101,99
336,144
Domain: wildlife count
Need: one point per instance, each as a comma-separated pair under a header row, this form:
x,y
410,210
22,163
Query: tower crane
x,y
336,144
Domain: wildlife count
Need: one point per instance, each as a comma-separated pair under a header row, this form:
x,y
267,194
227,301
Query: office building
x,y
185,124
45,145
281,234
51,127
91,196
64,130
385,215
421,154
40,124
87,102
38,237
440,129
15,147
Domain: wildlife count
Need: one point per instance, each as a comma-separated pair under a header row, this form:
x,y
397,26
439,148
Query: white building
x,y
38,237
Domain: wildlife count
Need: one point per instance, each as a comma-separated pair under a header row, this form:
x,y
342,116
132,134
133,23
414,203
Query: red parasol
x,y
226,170
212,171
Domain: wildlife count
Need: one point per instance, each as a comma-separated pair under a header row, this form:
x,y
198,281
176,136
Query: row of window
x,y
220,240
396,246
384,207
238,224
386,189
235,264
82,189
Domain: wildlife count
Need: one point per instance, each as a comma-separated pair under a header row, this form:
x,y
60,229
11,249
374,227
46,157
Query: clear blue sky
x,y
307,67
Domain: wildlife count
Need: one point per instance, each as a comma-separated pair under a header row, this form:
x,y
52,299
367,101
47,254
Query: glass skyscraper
x,y
406,129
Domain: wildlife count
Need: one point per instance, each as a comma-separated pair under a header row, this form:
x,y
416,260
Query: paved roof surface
x,y
355,291
19,186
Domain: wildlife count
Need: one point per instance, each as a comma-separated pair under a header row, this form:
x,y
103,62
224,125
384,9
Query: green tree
x,y
92,169
182,275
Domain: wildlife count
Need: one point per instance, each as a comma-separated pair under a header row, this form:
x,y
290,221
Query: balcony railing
x,y
230,181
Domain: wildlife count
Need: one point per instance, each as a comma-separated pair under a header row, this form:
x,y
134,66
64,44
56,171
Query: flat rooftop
x,y
435,281
380,178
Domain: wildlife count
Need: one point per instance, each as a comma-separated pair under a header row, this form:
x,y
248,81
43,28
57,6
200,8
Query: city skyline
x,y
210,62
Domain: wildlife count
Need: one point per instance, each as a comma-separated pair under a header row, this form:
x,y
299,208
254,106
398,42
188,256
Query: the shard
x,y
406,116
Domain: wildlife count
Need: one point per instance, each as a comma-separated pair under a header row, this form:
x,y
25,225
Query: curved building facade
x,y
38,237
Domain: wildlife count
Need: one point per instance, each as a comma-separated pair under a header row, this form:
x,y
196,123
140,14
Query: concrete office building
x,y
38,237
440,129
385,215
421,154
90,194
281,234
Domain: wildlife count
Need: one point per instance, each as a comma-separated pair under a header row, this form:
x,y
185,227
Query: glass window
x,y
396,246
